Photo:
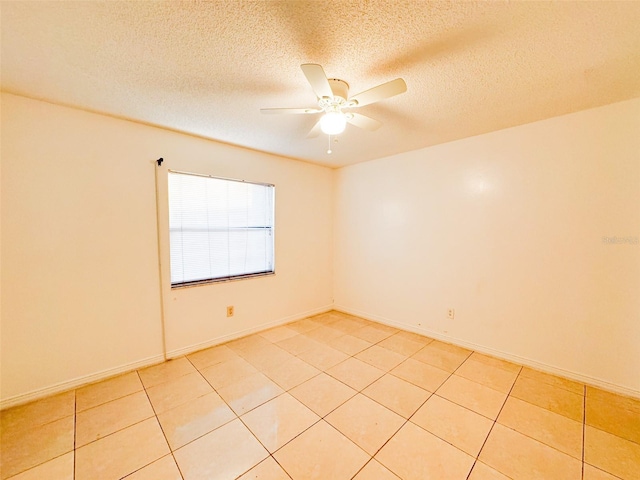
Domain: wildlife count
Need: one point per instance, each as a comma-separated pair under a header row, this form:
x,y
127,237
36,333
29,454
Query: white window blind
x,y
219,229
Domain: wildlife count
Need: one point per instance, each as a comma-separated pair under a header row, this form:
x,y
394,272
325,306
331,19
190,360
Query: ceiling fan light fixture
x,y
333,123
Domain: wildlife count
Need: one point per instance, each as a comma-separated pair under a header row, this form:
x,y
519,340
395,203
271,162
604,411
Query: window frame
x,y
231,278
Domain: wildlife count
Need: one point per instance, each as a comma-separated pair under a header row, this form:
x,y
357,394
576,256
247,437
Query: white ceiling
x,y
207,68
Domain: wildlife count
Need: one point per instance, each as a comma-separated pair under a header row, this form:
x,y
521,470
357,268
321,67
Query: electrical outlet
x,y
451,313
230,311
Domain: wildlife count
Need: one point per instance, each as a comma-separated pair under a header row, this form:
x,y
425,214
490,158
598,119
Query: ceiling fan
x,y
334,102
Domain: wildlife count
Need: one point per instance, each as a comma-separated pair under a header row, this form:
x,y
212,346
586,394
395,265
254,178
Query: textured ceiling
x,y
207,68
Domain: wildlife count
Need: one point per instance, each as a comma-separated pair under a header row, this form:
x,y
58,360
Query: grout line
x,y
278,463
584,425
366,463
407,420
326,343
75,430
323,418
239,417
494,424
440,386
161,429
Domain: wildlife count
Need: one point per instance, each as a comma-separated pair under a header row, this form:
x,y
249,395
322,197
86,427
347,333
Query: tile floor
x,y
328,397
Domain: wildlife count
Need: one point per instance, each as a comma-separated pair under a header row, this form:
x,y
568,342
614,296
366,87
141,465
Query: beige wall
x,y
303,280
80,281
507,228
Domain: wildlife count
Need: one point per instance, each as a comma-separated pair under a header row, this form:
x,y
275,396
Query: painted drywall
x,y
80,276
303,282
509,229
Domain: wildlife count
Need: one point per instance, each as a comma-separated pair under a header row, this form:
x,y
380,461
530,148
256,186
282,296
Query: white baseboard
x,y
596,382
78,382
105,374
242,333
112,372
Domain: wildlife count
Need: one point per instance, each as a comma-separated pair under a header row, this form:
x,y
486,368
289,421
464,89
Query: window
x,y
219,229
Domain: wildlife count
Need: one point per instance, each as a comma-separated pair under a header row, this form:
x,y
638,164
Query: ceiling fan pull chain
x,y
329,151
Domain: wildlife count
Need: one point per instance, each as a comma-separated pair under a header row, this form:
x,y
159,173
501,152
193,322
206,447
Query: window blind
x,y
219,229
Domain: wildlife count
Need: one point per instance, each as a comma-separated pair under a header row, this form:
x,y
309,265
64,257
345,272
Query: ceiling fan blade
x,y
375,94
315,131
362,121
289,110
318,80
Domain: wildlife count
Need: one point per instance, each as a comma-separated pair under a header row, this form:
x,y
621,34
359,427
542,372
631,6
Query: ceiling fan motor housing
x,y
340,88
332,95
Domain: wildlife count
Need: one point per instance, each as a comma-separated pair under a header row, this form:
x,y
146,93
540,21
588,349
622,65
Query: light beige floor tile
x,y
614,414
323,393
457,425
521,457
365,422
349,344
495,362
163,469
227,373
249,392
381,358
552,398
538,434
279,420
170,394
304,325
225,453
163,372
346,325
375,471
442,355
103,420
121,453
484,472
620,401
493,377
359,320
60,468
268,469
268,357
385,328
593,473
27,447
421,374
292,373
247,344
323,356
402,397
212,356
324,334
451,348
554,380
38,412
543,425
355,373
438,459
278,333
298,344
321,452
107,390
195,418
402,345
415,337
327,318
612,454
472,395
372,333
